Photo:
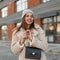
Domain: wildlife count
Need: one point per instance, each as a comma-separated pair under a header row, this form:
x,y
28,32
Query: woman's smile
x,y
29,18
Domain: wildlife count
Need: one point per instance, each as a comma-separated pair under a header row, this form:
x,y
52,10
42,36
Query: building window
x,y
45,1
4,11
4,32
52,29
21,5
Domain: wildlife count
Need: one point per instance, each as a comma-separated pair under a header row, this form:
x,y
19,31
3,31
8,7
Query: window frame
x,y
55,21
19,7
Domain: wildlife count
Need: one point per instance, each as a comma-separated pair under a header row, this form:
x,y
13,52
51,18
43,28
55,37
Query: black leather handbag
x,y
33,53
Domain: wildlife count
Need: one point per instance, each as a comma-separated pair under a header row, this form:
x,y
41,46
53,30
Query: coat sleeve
x,y
41,42
15,46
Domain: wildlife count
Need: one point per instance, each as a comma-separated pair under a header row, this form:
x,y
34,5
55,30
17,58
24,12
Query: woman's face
x,y
29,18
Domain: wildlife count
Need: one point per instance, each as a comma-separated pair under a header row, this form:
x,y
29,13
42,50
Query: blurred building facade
x,y
47,15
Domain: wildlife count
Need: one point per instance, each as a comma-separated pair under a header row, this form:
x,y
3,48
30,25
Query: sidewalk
x,y
53,52
5,51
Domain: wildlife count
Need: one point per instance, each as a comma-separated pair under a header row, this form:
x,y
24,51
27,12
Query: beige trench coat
x,y
39,40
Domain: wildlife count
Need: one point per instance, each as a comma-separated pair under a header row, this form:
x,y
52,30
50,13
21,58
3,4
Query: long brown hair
x,y
23,25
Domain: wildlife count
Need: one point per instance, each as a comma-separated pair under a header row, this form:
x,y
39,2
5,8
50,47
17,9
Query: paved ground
x,y
5,52
53,52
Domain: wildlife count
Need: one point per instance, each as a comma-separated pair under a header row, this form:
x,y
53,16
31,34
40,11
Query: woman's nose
x,y
29,17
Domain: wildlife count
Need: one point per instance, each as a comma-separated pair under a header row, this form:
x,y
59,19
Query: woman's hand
x,y
28,35
25,35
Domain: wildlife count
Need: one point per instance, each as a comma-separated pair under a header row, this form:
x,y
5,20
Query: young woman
x,y
28,34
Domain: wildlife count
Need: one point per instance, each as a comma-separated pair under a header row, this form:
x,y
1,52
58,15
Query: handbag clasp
x,y
33,53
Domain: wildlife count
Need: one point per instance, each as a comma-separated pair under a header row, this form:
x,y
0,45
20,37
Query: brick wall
x,y
11,10
32,3
10,28
39,22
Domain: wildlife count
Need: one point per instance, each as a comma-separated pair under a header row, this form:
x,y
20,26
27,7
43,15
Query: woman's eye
x,y
29,16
